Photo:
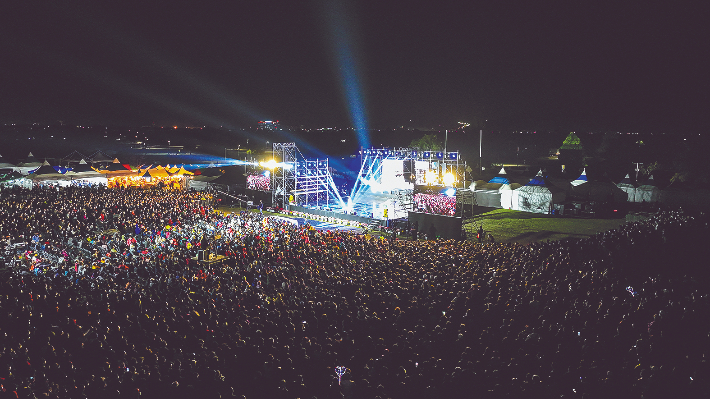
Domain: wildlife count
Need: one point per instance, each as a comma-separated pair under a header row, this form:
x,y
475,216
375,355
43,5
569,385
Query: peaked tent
x,y
600,191
118,170
83,171
46,172
581,179
74,157
100,157
627,186
158,172
30,164
501,178
116,166
183,171
537,196
82,167
647,192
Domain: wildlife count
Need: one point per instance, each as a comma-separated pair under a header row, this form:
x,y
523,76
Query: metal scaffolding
x,y
314,184
302,181
283,180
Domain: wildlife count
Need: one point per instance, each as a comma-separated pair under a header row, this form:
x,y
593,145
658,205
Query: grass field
x,y
515,226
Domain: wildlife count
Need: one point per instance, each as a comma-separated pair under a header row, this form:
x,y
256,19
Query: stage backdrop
x,y
447,227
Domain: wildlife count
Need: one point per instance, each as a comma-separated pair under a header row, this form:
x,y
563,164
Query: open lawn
x,y
515,226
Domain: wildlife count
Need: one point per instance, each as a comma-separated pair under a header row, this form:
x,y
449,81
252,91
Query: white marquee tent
x,y
537,196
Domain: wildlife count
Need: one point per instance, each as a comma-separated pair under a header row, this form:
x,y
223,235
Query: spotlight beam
x,y
339,32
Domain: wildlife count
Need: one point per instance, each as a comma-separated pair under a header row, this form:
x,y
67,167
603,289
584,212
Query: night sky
x,y
521,65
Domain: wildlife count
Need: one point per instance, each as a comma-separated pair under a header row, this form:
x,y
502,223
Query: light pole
x,y
446,139
480,149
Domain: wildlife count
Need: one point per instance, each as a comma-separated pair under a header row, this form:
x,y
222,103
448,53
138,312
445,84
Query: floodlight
x,y
449,179
430,177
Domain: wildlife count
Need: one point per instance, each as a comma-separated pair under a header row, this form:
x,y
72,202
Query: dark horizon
x,y
596,67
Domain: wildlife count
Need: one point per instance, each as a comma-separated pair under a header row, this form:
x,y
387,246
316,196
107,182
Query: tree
x,y
429,142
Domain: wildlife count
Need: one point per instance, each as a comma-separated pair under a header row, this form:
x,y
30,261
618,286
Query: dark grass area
x,y
523,227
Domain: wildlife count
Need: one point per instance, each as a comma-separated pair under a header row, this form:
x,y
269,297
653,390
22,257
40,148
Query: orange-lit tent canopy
x,y
116,169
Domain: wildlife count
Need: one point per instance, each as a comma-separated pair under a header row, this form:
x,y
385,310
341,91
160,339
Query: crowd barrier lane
x,y
336,215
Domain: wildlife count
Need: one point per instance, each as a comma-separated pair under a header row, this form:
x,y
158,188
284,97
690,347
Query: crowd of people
x,y
435,203
102,297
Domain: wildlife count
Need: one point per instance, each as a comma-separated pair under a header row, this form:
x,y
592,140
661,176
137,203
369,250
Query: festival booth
x,y
116,168
628,187
72,159
148,177
84,174
506,188
598,191
501,177
486,193
506,194
45,173
8,176
495,193
5,167
99,160
14,179
30,164
647,192
202,177
120,175
537,196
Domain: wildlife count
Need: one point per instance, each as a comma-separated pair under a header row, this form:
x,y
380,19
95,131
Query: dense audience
x,y
102,298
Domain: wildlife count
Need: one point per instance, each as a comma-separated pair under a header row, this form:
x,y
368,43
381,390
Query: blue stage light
x,y
338,21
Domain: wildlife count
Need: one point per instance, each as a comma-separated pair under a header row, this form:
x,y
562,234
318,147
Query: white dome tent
x,y
627,186
647,192
537,196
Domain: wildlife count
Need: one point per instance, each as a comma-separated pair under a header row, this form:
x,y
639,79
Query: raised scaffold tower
x,y
301,181
284,178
